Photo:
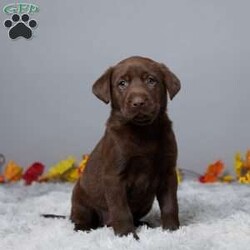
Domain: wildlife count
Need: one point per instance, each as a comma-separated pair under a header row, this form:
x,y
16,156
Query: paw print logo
x,y
20,26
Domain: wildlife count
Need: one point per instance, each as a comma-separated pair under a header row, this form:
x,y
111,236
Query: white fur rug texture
x,y
212,216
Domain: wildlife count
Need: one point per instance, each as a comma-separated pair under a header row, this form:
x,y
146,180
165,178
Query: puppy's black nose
x,y
138,101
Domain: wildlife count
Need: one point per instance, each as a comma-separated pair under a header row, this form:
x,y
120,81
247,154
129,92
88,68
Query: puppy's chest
x,y
140,175
141,146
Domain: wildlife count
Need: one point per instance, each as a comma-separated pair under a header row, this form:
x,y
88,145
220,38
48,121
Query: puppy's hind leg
x,y
84,218
82,214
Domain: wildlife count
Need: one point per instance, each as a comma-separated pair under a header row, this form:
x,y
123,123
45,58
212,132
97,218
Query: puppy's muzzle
x,y
139,109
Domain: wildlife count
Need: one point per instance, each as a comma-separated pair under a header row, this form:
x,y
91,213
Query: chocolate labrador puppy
x,y
135,160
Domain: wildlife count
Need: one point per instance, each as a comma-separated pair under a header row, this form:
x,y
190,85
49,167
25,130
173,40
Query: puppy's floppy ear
x,y
101,87
173,84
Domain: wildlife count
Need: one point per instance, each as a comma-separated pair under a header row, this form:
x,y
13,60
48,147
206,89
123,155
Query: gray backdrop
x,y
47,110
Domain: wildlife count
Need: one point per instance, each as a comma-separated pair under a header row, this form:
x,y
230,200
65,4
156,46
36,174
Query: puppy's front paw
x,y
171,224
125,231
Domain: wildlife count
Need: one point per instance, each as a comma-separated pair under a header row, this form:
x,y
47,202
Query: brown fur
x,y
135,160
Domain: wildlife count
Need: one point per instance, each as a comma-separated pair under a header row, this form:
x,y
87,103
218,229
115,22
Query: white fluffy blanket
x,y
212,217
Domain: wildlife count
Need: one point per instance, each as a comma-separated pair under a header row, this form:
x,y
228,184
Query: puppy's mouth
x,y
142,119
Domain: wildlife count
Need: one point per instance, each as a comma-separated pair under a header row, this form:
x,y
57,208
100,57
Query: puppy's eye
x,y
122,84
151,80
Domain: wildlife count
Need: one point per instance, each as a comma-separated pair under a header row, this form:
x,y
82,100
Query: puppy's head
x,y
137,88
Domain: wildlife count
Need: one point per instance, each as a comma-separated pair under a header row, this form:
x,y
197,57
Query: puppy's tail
x,y
54,216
